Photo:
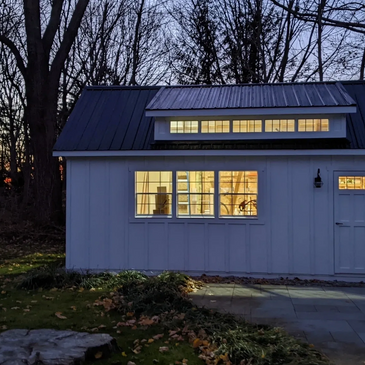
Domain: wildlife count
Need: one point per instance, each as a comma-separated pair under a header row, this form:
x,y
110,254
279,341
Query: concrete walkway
x,y
333,319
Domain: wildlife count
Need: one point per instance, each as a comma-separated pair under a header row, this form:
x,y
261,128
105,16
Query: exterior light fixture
x,y
317,180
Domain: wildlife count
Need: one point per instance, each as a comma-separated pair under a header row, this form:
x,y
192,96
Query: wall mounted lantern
x,y
317,180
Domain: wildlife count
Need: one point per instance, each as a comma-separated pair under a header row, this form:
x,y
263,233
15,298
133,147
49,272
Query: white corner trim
x,y
250,111
179,153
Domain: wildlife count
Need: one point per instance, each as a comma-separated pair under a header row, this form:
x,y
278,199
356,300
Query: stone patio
x,y
333,319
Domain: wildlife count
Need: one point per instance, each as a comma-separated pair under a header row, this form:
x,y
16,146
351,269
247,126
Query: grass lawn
x,y
37,309
188,335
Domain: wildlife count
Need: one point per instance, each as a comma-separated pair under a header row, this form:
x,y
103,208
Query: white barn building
x,y
249,180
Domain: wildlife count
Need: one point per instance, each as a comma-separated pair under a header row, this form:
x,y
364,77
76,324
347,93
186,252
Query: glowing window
x,y
280,125
351,182
215,126
238,192
195,193
313,125
184,126
153,191
247,126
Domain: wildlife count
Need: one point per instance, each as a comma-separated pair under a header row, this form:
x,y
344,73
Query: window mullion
x,y
174,195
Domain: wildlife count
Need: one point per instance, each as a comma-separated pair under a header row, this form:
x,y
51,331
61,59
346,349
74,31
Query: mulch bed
x,y
278,281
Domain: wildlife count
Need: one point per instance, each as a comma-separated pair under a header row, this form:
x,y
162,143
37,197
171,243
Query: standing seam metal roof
x,y
328,94
113,118
109,118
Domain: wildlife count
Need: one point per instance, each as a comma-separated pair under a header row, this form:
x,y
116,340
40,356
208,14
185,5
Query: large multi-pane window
x,y
313,125
215,126
247,126
195,193
238,193
153,193
184,126
279,125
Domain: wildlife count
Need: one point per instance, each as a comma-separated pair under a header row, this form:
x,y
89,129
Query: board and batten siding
x,y
293,234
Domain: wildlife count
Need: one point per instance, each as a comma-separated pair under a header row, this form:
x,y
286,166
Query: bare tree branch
x,y
13,48
53,25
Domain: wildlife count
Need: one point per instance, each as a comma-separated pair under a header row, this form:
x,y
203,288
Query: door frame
x,y
336,174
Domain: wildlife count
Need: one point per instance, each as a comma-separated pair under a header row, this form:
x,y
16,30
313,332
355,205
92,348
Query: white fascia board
x,y
248,111
179,153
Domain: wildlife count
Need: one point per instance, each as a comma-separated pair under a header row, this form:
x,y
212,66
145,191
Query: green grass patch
x,y
133,308
36,310
23,265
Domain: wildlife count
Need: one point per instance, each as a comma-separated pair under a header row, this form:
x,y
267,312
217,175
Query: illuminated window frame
x,y
149,203
313,125
351,182
184,126
279,125
247,126
238,194
215,126
189,201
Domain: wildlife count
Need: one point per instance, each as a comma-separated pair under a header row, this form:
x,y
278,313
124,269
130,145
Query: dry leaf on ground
x,y
59,315
98,355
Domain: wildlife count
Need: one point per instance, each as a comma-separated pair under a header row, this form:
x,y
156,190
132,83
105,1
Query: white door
x,y
349,194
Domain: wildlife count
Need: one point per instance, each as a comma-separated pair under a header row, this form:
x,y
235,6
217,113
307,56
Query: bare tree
x,y
41,64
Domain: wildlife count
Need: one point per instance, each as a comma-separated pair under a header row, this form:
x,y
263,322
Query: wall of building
x,y
293,234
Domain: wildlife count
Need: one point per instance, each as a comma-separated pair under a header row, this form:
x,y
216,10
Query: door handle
x,y
339,223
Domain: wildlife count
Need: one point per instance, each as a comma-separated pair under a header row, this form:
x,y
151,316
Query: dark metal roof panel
x,y
109,118
329,94
113,118
356,121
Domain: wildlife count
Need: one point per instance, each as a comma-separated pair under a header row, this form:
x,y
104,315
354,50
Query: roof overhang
x,y
179,153
251,111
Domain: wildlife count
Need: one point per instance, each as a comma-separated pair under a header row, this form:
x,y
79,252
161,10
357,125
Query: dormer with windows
x,y
251,112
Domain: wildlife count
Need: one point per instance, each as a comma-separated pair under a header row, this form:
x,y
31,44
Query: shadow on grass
x,y
22,265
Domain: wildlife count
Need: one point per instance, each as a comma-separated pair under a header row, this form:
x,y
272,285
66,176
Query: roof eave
x,y
251,111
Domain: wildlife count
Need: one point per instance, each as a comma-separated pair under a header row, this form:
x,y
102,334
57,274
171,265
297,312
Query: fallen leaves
x,y
59,315
107,303
163,349
158,337
98,355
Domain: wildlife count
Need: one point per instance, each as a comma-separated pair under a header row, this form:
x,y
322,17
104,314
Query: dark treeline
x,y
50,50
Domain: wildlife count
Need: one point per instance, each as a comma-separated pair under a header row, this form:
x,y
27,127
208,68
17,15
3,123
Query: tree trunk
x,y
41,115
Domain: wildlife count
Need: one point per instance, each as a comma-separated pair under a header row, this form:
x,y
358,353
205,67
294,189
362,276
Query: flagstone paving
x,y
333,319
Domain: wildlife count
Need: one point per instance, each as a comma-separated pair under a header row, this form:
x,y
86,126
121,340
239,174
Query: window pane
x,y
226,126
313,125
268,125
291,125
236,126
301,125
153,192
351,182
325,125
279,125
258,126
215,126
183,126
247,126
195,193
238,193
